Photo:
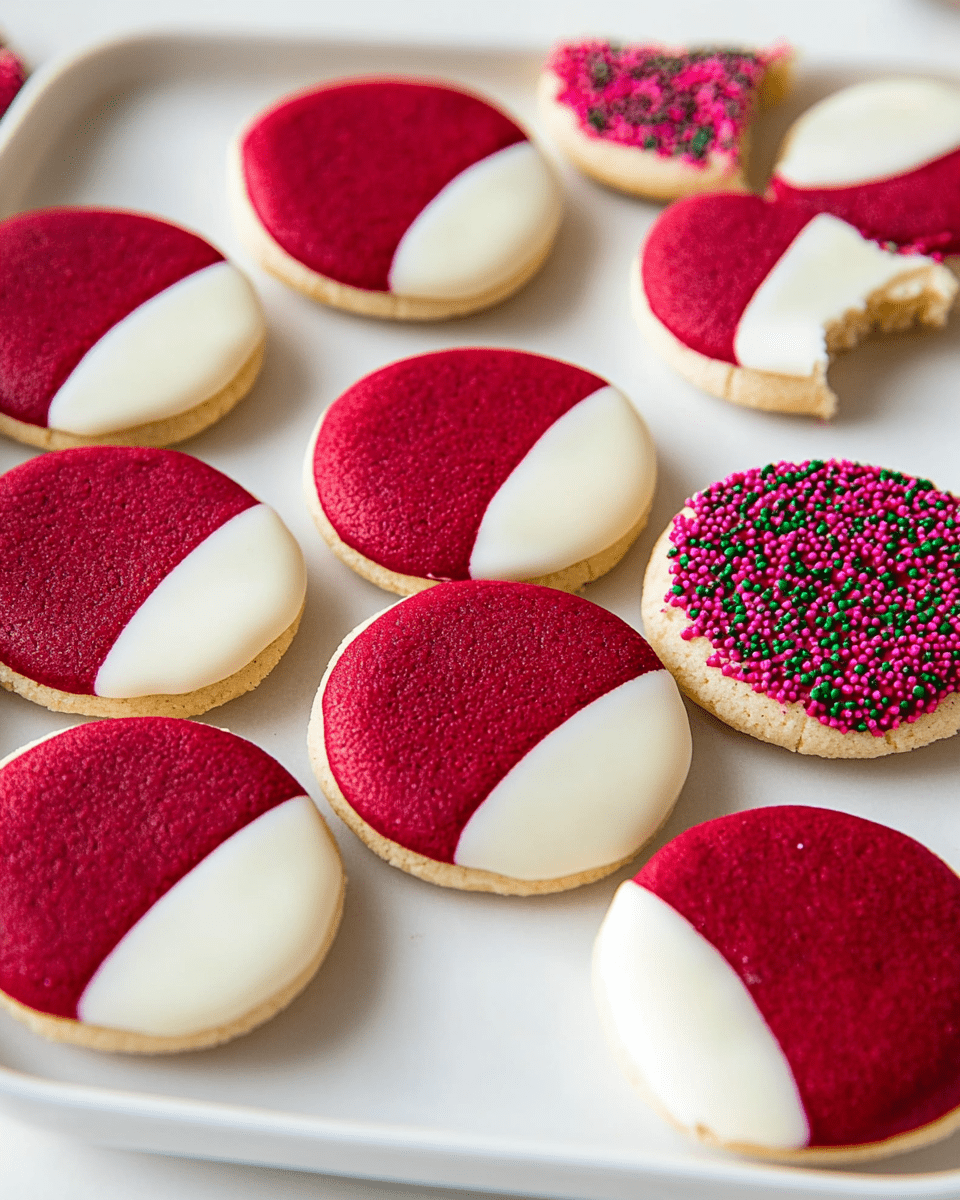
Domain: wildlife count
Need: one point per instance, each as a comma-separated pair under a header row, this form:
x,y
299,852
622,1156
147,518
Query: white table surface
x,y
39,1166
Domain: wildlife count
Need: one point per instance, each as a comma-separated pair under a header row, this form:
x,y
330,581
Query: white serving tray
x,y
450,1038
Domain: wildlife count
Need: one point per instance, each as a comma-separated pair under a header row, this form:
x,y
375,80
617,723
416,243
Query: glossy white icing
x,y
244,923
827,271
167,356
580,488
872,131
215,611
591,792
689,1028
480,229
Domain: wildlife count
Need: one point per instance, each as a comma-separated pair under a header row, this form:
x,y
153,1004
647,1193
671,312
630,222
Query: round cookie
x,y
500,737
785,982
400,198
165,886
119,328
657,122
13,75
749,299
139,582
480,464
884,156
814,606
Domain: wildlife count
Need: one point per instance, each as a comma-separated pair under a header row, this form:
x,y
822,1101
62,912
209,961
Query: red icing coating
x,y
430,707
918,211
409,458
67,276
847,936
12,78
97,824
706,256
85,537
338,175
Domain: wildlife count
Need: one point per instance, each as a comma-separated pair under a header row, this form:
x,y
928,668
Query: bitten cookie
x,y
658,122
140,582
119,328
815,606
165,886
786,983
884,156
749,299
394,198
480,464
500,737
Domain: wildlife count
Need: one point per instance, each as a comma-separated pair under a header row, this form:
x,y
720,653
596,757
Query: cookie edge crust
x,y
185,704
449,875
736,703
166,432
568,579
122,1041
276,261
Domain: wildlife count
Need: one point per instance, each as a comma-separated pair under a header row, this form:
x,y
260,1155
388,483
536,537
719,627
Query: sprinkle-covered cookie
x,y
816,606
480,464
119,328
748,299
140,581
394,198
659,122
164,885
500,737
786,982
884,156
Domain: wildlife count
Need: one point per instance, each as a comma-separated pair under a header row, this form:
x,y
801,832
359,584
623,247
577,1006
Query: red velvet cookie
x,y
815,606
394,197
120,328
658,122
483,464
12,77
164,885
500,737
139,581
786,982
749,298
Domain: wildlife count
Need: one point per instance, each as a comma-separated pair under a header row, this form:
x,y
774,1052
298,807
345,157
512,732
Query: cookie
x,y
786,983
884,156
749,299
657,122
499,737
814,606
13,75
119,328
394,198
165,885
480,464
139,582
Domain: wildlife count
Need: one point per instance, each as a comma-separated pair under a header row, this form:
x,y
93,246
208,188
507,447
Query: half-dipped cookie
x,y
500,737
480,464
164,885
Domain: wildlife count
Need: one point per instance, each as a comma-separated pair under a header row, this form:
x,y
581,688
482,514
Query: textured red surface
x,y
12,77
409,458
919,210
97,824
66,277
706,256
85,537
338,175
429,708
847,935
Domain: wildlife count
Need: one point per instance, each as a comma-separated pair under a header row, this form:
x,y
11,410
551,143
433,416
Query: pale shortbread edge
x,y
166,432
188,704
447,875
738,705
122,1041
922,295
568,579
